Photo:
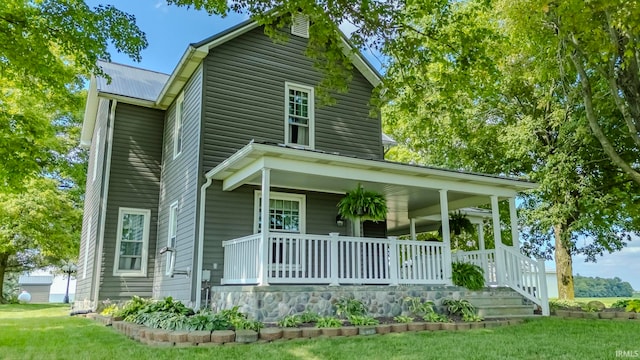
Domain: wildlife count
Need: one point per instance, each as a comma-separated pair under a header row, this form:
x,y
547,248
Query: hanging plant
x,y
360,204
458,223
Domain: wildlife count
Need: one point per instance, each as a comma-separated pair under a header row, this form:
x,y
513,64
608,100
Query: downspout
x,y
203,198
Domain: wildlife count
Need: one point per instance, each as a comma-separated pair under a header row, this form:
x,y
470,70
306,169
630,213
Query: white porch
x,y
415,197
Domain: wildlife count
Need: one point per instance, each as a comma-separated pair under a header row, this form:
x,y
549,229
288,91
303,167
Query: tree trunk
x,y
564,265
4,260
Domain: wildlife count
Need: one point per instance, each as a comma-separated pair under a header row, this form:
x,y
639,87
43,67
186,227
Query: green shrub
x,y
403,319
110,310
308,317
328,322
620,304
290,321
472,318
362,320
206,320
460,307
435,317
346,307
419,307
467,275
133,306
633,306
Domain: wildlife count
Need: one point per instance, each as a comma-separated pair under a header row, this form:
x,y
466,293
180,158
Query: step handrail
x,y
524,275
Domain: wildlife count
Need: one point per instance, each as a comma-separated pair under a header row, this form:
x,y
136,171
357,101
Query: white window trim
x,y
312,133
173,228
178,120
96,150
301,198
145,243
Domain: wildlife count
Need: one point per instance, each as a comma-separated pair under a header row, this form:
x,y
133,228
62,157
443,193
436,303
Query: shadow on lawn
x,y
13,308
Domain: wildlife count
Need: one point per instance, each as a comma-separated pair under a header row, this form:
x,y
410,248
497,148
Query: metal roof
x,y
35,280
130,81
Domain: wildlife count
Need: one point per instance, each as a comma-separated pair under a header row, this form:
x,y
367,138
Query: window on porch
x,y
286,215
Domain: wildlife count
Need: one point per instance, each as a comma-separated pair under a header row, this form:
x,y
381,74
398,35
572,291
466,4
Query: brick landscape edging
x,y
181,338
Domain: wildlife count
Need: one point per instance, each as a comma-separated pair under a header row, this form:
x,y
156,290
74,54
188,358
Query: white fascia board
x,y
241,176
381,176
130,100
181,74
362,66
90,113
286,159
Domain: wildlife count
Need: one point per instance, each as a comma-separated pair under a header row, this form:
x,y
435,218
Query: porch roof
x,y
411,191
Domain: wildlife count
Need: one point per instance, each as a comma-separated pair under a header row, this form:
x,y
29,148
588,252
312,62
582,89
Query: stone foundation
x,y
272,303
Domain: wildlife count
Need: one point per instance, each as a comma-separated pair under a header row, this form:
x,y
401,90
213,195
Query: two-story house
x,y
186,169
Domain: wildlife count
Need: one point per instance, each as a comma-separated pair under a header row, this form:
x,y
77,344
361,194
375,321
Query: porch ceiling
x,y
411,191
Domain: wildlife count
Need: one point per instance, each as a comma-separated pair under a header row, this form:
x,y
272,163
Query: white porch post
x,y
513,217
263,251
333,270
393,263
497,237
412,225
481,245
446,236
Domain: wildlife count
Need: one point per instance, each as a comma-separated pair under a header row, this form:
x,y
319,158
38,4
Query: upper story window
x,y
172,237
178,126
132,242
286,212
299,120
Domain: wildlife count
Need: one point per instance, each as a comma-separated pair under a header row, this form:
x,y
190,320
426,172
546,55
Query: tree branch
x,y
591,116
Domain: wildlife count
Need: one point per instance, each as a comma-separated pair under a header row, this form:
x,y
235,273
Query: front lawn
x,y
47,332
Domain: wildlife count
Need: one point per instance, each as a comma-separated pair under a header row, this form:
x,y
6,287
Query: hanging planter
x,y
360,204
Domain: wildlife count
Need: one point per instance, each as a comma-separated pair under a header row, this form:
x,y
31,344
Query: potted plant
x,y
467,275
360,204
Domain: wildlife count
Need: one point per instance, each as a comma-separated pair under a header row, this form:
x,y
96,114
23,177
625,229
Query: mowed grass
x,y
47,332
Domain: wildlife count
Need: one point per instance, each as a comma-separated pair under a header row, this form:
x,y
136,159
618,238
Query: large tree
x,y
478,95
48,48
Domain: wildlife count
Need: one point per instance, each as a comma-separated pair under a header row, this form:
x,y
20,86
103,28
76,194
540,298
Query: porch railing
x,y
241,260
333,259
485,259
524,275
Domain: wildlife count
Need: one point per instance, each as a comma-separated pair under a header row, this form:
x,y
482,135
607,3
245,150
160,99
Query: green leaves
x,y
362,204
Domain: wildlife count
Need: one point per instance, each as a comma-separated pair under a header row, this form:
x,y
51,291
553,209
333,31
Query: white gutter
x,y
199,265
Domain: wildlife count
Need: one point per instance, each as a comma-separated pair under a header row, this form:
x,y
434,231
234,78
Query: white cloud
x,y
162,6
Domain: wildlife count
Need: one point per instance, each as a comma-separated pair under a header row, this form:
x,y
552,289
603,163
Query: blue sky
x,y
170,30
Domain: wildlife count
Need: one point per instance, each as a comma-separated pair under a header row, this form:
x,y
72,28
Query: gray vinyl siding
x,y
134,182
244,92
244,88
230,215
180,181
92,205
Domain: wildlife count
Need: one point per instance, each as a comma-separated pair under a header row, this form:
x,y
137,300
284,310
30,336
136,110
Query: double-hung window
x,y
172,238
132,242
178,126
286,212
299,120
286,215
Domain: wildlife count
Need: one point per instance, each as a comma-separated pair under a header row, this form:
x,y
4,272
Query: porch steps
x,y
501,303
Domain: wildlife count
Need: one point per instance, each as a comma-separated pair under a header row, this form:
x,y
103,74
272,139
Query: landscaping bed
x,y
620,310
171,323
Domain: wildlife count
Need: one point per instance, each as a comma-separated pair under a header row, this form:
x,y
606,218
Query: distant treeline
x,y
599,287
